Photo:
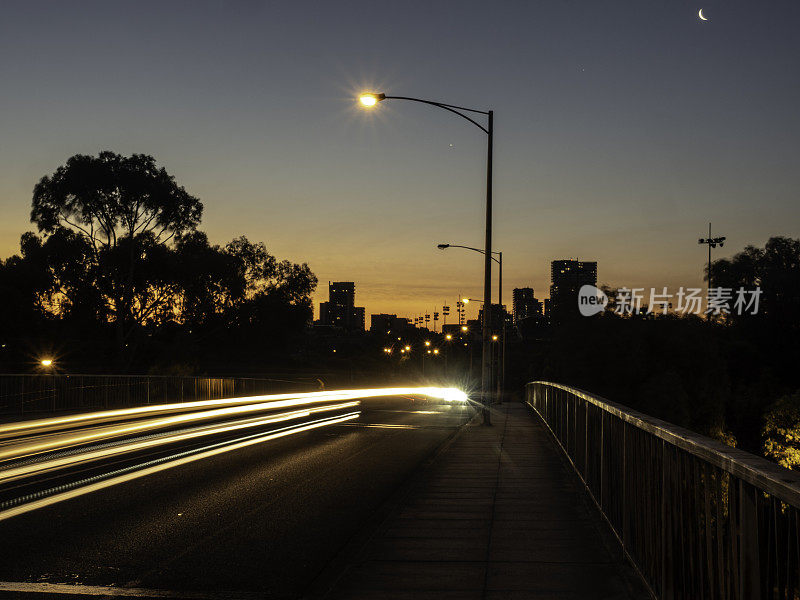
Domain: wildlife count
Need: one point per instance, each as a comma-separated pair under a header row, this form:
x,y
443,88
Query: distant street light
x,y
370,100
47,362
501,381
498,260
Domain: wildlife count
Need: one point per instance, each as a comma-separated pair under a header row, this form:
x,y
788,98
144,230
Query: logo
x,y
591,300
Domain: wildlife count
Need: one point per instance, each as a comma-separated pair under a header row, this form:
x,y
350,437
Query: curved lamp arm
x,y
445,246
451,107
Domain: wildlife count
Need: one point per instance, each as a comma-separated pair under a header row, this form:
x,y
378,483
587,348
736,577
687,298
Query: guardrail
x,y
697,519
24,395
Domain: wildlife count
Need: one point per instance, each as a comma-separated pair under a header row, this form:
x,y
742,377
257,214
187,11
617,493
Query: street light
x,y
370,100
47,362
501,381
498,260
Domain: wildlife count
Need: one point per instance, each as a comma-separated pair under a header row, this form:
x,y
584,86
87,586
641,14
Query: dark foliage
x,y
718,377
123,280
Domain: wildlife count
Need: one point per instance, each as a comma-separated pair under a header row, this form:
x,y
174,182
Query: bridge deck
x,y
498,514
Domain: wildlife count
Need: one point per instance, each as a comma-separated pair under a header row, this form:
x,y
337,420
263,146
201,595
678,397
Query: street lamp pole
x,y
501,381
372,99
499,260
486,364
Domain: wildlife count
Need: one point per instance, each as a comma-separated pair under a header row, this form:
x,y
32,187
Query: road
x,y
263,519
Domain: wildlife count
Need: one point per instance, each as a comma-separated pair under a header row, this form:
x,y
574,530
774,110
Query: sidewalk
x,y
498,514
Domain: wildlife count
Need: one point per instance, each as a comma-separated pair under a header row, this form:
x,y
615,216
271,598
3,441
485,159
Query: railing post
x,y
667,592
586,443
624,474
602,458
749,572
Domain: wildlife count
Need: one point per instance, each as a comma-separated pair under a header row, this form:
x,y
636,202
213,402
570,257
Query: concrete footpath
x,y
498,514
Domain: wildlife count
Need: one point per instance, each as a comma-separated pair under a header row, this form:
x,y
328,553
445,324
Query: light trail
x,y
164,464
46,466
66,440
40,426
32,450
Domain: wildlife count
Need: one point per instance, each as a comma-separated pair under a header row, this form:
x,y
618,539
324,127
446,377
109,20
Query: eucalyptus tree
x,y
126,210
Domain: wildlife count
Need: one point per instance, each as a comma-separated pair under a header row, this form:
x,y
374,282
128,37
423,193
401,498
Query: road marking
x,y
103,590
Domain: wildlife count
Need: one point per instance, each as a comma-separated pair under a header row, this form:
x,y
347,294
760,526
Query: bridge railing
x,y
24,395
698,519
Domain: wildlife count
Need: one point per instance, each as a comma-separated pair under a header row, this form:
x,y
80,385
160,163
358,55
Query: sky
x,y
621,129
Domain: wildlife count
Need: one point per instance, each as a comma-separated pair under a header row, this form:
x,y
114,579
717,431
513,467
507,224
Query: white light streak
x,y
136,445
36,504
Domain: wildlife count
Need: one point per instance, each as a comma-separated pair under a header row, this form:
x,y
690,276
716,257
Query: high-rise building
x,y
340,309
525,305
568,276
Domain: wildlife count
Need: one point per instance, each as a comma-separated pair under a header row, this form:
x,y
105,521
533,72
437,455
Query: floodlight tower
x,y
712,243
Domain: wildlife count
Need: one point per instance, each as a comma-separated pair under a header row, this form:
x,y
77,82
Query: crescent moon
x,y
700,14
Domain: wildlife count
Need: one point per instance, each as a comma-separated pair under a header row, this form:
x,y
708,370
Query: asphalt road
x,y
265,519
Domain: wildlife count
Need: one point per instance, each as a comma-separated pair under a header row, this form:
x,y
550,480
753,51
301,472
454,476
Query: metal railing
x,y
23,395
698,519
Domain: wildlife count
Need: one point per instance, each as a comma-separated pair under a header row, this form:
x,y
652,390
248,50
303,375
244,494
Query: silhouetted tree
x,y
119,257
125,210
775,269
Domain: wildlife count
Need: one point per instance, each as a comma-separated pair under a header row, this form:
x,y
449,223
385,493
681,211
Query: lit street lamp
x,y
501,381
369,100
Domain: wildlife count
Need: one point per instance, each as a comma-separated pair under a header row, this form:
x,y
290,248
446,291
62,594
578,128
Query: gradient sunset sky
x,y
621,129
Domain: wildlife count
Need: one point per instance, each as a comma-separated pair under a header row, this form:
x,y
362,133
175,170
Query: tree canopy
x,y
110,197
119,257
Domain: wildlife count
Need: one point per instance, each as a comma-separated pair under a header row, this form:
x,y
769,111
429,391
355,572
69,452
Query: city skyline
x,y
621,130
